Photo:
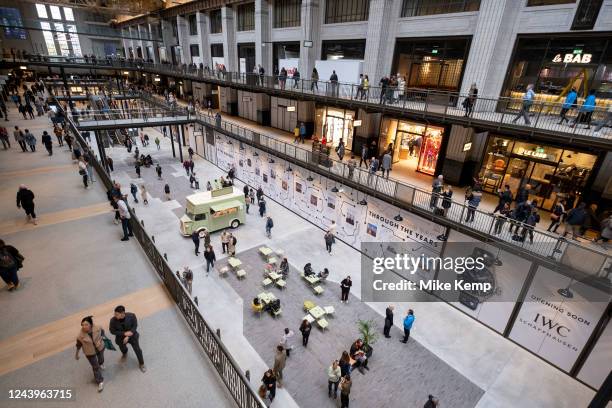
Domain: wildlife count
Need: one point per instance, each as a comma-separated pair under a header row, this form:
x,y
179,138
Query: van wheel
x,y
235,224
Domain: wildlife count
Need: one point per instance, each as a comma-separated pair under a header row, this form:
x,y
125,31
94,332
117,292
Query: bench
x,y
241,273
223,271
266,282
281,284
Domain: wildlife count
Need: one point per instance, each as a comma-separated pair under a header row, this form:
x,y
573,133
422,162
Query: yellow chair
x,y
257,308
308,304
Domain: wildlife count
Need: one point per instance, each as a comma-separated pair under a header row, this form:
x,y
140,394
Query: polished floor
x,y
75,265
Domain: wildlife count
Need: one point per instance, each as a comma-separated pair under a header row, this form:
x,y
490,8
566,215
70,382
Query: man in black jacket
x,y
123,325
388,321
25,200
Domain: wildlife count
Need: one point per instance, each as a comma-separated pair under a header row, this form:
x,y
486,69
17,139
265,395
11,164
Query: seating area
x,y
317,314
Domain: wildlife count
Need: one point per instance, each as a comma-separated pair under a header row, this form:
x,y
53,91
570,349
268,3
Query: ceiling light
x,y
309,178
334,189
270,160
363,202
398,218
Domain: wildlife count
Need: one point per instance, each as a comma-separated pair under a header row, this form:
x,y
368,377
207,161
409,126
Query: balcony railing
x,y
500,111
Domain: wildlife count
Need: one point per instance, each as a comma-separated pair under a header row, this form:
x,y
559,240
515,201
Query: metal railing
x,y
500,111
232,376
544,244
414,8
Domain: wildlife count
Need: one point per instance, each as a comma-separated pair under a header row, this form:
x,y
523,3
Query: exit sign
x,y
577,51
434,51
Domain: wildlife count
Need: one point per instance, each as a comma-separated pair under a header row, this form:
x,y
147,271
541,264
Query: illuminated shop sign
x,y
573,58
538,153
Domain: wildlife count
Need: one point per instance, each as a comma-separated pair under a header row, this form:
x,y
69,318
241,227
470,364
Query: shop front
x,y
335,124
554,173
431,63
556,63
416,146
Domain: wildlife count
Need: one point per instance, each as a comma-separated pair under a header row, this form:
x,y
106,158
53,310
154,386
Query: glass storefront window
x,y
416,146
554,174
557,64
431,63
335,124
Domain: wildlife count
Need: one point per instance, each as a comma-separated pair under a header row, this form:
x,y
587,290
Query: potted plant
x,y
369,334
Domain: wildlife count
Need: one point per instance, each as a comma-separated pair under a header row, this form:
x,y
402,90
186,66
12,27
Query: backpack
x,y
7,261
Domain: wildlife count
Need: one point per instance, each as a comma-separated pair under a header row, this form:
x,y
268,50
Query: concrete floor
x,y
492,363
73,265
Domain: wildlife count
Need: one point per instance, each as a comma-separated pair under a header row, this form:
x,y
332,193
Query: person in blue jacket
x,y
586,110
570,103
408,322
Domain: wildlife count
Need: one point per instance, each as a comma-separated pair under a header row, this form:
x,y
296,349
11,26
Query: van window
x,y
200,217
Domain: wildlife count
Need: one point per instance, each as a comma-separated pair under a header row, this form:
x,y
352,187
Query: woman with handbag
x,y
92,340
556,216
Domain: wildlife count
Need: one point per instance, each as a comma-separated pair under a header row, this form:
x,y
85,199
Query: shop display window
x,y
553,173
430,149
335,124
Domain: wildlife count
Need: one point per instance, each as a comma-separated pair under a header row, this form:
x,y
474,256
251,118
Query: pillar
x,y
183,39
228,100
458,166
310,26
306,115
203,32
367,132
381,19
263,47
230,49
491,47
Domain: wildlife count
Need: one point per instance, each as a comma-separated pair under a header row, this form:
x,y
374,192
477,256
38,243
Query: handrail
x,y
498,110
228,369
545,244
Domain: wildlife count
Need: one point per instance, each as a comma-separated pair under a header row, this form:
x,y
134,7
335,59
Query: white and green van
x,y
214,210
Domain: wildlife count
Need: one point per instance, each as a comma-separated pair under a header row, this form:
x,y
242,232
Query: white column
x,y
311,29
230,48
491,47
203,32
154,44
263,48
183,39
380,23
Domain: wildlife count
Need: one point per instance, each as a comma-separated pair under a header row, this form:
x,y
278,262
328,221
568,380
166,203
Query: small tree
x,y
368,332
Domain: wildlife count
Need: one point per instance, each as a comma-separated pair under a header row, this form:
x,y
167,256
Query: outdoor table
x,y
274,276
234,262
313,280
265,251
317,312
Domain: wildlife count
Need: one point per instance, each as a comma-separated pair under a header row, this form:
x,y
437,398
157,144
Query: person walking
x,y
345,391
195,237
333,379
470,100
574,220
83,172
530,224
340,150
20,139
280,360
269,226
167,191
526,105
188,279
364,155
556,216
157,142
345,289
134,191
568,104
314,80
262,207
373,169
30,139
286,341
333,79
473,198
305,329
91,340
205,236
137,168
125,216
329,241
269,384
447,200
225,238
388,320
48,142
123,326
4,137
68,138
504,213
408,322
158,170
143,194
432,402
386,163
586,110
10,262
231,245
210,257
25,200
